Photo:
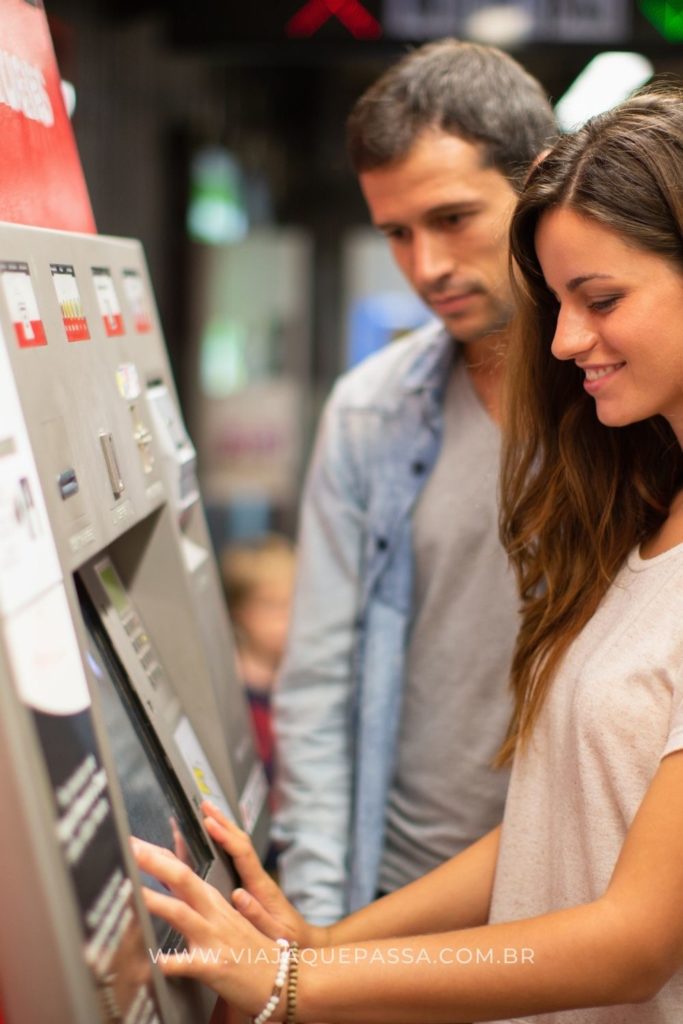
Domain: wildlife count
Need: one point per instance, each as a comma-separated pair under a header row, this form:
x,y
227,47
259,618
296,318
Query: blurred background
x,y
214,132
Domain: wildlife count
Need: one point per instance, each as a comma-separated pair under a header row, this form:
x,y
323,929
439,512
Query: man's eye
x,y
455,220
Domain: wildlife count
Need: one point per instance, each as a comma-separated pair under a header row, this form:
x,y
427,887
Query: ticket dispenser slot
x,y
112,463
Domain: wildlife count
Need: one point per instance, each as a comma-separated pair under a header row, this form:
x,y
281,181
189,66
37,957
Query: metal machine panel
x,y
107,519
71,915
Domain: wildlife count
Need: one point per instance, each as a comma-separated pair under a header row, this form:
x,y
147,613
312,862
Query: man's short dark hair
x,y
475,92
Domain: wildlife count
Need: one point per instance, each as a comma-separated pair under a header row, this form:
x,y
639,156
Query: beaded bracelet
x,y
283,963
292,980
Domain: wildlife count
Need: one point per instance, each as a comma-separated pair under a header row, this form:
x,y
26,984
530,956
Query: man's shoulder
x,y
410,363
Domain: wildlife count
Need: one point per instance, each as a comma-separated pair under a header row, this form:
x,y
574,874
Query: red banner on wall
x,y
41,177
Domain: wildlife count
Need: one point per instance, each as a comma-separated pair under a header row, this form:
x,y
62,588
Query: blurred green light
x,y
223,357
666,16
216,213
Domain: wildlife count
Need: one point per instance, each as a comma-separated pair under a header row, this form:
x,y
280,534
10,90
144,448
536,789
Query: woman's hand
x,y
223,950
260,901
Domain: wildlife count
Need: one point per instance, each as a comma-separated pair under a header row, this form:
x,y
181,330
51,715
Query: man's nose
x,y
432,259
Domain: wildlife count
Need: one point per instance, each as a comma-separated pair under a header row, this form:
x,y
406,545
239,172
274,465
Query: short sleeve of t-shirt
x,y
675,740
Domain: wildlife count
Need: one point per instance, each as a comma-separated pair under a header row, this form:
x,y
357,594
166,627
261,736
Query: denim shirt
x,y
337,702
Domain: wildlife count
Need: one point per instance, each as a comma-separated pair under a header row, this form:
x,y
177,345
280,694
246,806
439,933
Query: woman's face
x,y
620,318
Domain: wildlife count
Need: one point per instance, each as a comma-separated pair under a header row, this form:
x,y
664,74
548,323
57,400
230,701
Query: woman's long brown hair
x,y
578,496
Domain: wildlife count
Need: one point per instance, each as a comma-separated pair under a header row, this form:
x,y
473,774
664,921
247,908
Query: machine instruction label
x,y
196,760
22,303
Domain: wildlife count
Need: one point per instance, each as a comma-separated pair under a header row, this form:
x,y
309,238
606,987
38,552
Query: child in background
x,y
257,579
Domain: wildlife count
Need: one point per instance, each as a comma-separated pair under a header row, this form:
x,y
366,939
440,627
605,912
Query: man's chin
x,y
464,329
468,329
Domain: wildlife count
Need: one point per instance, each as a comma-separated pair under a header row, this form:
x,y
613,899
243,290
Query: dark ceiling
x,y
230,26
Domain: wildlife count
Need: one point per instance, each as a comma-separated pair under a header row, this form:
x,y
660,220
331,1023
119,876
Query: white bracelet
x,y
280,978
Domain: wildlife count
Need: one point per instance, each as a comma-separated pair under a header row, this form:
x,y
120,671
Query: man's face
x,y
447,218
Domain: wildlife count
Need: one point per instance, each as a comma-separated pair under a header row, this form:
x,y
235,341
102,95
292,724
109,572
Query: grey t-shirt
x,y
456,704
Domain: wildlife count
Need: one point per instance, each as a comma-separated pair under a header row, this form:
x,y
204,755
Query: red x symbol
x,y
351,13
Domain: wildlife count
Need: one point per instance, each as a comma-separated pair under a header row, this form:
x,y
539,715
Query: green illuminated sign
x,y
666,16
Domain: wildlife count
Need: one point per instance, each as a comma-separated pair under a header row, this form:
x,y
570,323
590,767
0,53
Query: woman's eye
x,y
601,305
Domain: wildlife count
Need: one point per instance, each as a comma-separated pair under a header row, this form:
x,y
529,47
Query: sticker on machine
x,y
128,381
196,760
45,657
69,299
22,303
108,302
253,796
136,294
28,556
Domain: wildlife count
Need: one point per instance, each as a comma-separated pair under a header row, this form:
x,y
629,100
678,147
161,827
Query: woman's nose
x,y
574,335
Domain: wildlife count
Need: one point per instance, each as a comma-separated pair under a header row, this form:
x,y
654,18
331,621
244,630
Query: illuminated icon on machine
x,y
108,301
69,299
137,300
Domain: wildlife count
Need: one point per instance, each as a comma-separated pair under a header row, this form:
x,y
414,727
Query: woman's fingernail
x,y
241,898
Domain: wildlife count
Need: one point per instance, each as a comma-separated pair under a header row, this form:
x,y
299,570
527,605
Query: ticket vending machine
x,y
119,704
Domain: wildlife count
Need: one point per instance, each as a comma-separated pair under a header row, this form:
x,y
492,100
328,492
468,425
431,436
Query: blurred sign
x,y
547,20
41,178
251,442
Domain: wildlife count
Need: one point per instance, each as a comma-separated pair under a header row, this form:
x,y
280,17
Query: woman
x,y
583,884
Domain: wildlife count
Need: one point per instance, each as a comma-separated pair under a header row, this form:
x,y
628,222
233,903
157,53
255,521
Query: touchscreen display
x,y
157,808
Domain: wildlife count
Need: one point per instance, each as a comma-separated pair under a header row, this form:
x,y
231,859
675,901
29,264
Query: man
x,y
392,701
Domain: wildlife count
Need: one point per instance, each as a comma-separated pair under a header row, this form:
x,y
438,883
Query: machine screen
x,y
157,808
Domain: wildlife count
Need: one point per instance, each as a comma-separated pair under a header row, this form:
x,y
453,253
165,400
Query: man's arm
x,y
312,701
